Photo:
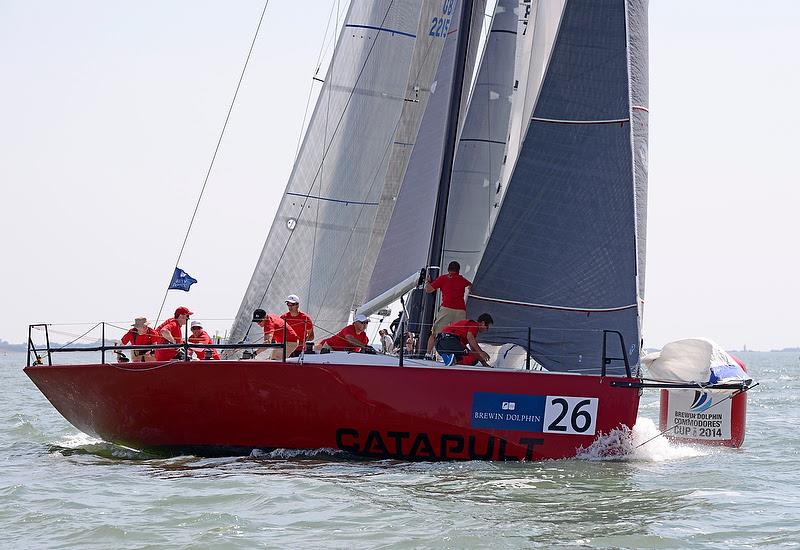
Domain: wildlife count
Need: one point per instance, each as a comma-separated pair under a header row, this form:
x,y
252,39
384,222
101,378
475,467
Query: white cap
x,y
294,298
361,318
197,324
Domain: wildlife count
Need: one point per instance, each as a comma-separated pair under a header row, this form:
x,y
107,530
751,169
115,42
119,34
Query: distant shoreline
x,y
5,346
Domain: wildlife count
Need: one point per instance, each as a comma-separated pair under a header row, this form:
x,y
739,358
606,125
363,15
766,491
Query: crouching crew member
x,y
140,335
301,322
171,332
457,343
200,336
274,330
350,338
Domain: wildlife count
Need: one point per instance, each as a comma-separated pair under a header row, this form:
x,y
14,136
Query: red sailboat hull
x,y
375,411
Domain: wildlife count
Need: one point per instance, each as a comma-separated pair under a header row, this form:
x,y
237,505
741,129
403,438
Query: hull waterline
x,y
381,411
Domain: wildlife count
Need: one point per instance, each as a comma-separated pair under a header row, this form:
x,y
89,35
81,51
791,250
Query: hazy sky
x,y
110,111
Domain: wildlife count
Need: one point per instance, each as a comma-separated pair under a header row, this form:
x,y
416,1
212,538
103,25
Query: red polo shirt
x,y
133,338
338,343
274,325
174,329
300,323
202,338
177,333
461,329
452,286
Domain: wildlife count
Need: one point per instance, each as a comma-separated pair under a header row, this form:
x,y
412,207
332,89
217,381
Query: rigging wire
x,y
322,53
78,338
216,150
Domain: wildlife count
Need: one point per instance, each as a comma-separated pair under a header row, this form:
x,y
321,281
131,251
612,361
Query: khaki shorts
x,y
447,316
277,353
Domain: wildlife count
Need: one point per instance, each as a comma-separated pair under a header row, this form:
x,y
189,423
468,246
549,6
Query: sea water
x,y
62,489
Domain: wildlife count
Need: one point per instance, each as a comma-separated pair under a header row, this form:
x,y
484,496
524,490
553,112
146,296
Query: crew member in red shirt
x,y
453,308
200,336
300,322
458,341
171,331
350,338
274,330
140,335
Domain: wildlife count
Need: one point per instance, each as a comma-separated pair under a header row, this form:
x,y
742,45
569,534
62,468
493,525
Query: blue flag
x,y
181,280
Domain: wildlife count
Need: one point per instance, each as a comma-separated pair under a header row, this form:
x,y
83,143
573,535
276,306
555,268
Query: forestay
x,y
316,243
563,254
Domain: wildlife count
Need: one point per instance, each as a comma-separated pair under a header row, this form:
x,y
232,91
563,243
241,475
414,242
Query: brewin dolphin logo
x,y
702,402
504,411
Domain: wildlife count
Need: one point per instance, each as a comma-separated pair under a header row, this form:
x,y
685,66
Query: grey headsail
x,y
563,255
315,245
404,247
536,33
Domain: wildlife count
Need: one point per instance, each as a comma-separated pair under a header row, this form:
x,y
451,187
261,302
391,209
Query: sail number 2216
x,y
440,25
570,415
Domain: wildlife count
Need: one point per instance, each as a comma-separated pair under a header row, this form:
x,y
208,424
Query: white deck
x,y
345,358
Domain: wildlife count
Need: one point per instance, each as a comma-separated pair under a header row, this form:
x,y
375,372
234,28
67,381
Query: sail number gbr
x,y
440,24
556,414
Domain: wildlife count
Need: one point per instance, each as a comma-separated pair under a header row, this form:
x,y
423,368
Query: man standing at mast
x,y
454,307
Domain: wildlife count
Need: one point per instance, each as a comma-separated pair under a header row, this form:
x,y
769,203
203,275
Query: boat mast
x,y
451,133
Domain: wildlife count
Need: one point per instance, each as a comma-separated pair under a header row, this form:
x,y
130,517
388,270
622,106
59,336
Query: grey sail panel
x,y
482,144
404,248
314,247
562,257
536,34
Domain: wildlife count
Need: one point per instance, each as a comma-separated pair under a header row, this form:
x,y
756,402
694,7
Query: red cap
x,y
183,310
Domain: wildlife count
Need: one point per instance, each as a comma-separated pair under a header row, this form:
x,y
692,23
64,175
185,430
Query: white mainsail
x,y
323,223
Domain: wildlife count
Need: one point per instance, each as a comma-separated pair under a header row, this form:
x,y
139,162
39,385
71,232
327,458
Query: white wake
x,y
644,443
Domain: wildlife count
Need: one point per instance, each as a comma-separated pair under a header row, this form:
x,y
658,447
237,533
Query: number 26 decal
x,y
570,415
